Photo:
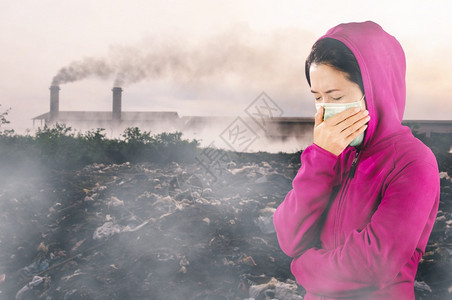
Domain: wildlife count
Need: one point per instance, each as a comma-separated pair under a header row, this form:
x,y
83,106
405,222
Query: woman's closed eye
x,y
335,99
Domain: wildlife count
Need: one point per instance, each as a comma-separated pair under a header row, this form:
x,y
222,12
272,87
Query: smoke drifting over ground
x,y
234,55
165,231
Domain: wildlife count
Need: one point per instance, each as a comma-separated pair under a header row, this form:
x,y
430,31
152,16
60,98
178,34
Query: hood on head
x,y
382,63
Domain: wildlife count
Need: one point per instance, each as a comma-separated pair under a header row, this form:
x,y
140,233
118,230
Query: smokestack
x,y
116,104
54,102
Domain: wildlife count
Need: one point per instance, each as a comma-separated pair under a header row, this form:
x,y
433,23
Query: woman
x,y
365,198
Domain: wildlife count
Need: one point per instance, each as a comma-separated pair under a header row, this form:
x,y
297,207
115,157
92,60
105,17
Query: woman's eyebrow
x,y
327,92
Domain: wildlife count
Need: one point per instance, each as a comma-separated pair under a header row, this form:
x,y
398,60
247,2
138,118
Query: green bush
x,y
59,147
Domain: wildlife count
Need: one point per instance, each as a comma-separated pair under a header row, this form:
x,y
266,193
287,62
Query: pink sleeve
x,y
372,258
297,219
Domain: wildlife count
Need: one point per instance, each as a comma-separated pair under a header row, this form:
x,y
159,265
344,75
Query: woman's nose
x,y
324,100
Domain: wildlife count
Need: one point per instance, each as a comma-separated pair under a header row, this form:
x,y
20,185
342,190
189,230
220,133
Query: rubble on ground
x,y
166,231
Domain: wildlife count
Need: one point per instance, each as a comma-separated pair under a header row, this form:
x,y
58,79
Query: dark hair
x,y
336,54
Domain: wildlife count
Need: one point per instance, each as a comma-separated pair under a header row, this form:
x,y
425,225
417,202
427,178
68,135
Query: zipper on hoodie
x,y
351,174
353,168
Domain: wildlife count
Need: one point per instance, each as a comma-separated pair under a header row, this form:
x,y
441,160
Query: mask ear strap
x,y
362,99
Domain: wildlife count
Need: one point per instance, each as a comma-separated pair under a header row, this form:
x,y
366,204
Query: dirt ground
x,y
155,231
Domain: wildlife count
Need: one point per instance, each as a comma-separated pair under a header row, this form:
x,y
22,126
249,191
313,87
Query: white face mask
x,y
330,109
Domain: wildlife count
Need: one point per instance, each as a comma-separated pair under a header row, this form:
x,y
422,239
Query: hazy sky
x,y
203,57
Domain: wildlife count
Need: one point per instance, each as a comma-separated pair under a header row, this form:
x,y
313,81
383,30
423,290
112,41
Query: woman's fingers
x,y
348,119
318,118
335,133
354,123
355,134
340,117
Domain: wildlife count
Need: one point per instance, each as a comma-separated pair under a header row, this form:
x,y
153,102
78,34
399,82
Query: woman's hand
x,y
338,131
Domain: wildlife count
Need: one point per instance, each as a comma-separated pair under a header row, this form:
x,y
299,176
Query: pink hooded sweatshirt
x,y
360,234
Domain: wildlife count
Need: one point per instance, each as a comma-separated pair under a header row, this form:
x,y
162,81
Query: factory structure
x,y
100,119
116,120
